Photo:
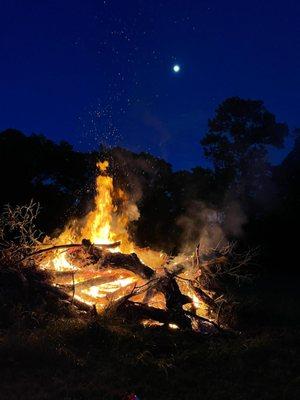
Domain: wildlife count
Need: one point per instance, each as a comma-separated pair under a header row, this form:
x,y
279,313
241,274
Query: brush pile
x,y
185,293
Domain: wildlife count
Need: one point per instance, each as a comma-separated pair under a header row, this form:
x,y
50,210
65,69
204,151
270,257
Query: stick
x,y
68,246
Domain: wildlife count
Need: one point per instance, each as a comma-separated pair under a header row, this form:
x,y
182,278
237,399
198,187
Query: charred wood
x,y
202,296
130,262
69,246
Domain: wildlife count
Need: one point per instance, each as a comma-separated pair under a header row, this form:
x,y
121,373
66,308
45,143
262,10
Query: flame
x,y
103,165
98,222
107,222
62,264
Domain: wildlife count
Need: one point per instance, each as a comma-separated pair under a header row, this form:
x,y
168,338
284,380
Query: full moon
x,y
176,68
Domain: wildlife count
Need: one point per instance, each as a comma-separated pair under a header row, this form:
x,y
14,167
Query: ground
x,y
75,359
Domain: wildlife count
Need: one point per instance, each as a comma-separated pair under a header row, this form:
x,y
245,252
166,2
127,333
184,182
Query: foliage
x,y
26,294
54,175
237,142
18,231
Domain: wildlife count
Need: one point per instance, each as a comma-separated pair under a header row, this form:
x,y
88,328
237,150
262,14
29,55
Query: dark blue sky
x,y
91,71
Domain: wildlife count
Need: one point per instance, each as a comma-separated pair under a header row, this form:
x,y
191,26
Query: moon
x,y
176,68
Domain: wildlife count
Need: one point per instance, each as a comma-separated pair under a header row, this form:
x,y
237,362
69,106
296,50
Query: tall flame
x,y
99,221
106,223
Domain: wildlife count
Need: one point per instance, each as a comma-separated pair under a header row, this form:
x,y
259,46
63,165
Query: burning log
x,y
109,280
120,298
130,262
98,280
122,292
88,254
64,277
61,294
169,287
202,296
69,246
138,312
174,299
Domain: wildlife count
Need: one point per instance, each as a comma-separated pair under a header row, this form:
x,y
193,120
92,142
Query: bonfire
x,y
98,268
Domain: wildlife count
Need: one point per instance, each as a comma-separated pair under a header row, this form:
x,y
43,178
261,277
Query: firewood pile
x,y
140,286
182,295
187,292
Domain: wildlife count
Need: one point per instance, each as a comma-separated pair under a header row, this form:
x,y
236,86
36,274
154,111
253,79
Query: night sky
x,y
91,71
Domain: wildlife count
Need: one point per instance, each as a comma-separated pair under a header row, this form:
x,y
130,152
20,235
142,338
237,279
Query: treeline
x,y
237,142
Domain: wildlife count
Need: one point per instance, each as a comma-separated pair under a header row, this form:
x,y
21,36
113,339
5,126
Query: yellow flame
x,y
103,165
61,263
107,223
98,223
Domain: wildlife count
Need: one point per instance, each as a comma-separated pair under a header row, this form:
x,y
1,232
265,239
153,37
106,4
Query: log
x,y
202,296
65,277
174,298
88,254
65,296
98,280
121,292
71,245
137,312
107,268
131,262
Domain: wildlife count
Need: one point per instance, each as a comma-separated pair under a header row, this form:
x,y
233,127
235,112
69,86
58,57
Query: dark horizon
x,y
91,73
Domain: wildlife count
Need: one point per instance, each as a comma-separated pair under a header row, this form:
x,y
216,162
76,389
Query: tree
x,y
52,174
237,143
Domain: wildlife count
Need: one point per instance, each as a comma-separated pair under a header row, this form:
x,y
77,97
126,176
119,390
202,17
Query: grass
x,y
78,359
71,359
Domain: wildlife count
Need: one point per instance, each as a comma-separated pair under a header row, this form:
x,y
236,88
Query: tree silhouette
x,y
52,174
237,143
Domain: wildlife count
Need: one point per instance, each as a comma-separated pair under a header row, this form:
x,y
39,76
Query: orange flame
x,y
98,223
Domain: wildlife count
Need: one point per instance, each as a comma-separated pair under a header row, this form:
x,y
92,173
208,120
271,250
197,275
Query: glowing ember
x,y
173,326
151,322
101,291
